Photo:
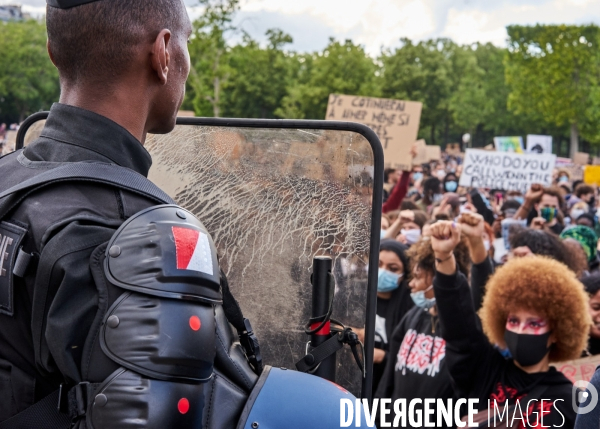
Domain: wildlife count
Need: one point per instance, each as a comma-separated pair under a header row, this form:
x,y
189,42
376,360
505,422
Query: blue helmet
x,y
294,400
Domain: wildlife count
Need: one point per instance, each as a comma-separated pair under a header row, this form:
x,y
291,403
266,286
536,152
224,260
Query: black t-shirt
x,y
416,364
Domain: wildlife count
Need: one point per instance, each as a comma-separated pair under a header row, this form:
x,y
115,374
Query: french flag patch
x,y
193,250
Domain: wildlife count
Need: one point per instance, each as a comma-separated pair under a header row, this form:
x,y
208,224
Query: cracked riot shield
x,y
273,195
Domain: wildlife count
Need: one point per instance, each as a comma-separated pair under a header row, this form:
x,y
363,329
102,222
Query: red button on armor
x,y
183,405
195,323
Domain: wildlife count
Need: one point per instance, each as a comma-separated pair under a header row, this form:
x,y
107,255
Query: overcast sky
x,y
381,23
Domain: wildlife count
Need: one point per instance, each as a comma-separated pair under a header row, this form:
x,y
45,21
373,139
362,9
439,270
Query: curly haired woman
x,y
533,306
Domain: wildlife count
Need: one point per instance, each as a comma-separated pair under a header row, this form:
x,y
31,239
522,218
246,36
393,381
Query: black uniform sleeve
x,y
468,351
66,300
480,273
386,384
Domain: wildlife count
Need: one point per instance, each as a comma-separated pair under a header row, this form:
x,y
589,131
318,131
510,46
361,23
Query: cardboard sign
x,y
579,369
509,144
453,149
539,144
421,157
581,158
434,152
395,122
591,175
505,170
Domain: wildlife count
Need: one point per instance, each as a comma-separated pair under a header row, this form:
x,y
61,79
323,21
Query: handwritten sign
x,y
395,122
509,144
579,369
581,158
505,170
539,144
421,157
434,152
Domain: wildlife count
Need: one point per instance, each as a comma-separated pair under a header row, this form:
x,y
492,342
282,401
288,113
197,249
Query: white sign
x,y
505,170
539,144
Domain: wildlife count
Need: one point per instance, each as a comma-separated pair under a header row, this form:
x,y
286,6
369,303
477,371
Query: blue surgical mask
x,y
438,197
421,301
417,176
387,281
451,186
382,234
519,200
563,179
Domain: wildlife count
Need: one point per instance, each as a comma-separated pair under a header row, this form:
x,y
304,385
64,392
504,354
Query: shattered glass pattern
x,y
272,199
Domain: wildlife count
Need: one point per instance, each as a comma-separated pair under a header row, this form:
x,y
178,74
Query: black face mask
x,y
525,348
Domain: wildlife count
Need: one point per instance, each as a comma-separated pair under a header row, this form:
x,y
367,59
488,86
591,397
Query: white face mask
x,y
575,213
440,174
412,235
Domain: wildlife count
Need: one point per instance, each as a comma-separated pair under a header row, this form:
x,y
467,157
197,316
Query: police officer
x,y
122,67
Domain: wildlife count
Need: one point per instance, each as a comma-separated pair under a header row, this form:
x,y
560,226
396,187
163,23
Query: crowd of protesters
x,y
480,291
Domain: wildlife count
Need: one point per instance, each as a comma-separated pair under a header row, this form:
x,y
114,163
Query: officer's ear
x,y
50,52
160,55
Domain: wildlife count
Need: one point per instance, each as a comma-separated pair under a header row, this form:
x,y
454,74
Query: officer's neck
x,y
124,107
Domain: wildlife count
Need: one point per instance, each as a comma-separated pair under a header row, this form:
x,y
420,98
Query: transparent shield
x,y
273,199
273,196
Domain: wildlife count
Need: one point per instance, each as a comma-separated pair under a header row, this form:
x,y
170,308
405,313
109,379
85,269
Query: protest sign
x,y
453,149
579,369
509,144
505,170
421,157
581,158
539,144
434,152
591,175
395,122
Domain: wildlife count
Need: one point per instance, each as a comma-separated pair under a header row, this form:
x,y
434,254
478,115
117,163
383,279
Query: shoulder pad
x,y
164,251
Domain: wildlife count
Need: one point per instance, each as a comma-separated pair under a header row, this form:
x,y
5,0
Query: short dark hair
x,y
583,189
97,40
591,283
386,173
555,192
543,243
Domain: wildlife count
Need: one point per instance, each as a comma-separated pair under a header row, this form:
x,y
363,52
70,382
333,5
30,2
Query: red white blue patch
x,y
193,250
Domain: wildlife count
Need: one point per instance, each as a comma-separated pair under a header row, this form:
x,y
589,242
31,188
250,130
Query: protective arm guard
x,y
161,330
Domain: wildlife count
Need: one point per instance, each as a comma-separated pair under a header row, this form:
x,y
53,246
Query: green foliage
x,y
547,81
28,80
342,68
554,75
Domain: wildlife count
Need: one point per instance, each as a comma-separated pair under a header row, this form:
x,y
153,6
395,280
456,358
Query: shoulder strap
x,y
109,174
42,414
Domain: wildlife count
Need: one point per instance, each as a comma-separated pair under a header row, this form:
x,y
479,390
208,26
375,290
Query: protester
x,y
432,193
592,287
543,205
417,366
588,240
534,307
393,300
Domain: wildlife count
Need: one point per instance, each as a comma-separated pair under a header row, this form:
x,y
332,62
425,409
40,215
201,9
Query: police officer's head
x,y
103,47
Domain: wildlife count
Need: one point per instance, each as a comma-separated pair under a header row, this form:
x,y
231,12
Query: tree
x,y
553,72
429,72
209,55
259,77
28,79
343,68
